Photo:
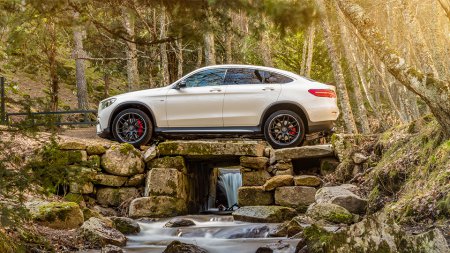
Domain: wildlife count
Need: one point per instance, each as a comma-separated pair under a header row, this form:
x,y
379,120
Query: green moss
x,y
73,197
55,210
126,148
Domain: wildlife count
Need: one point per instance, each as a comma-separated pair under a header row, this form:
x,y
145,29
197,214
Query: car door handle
x,y
268,89
215,90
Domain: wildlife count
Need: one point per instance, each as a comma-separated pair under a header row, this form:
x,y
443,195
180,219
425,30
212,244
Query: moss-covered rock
x,y
254,196
329,212
298,197
278,181
176,162
109,180
157,207
123,160
257,163
74,197
166,182
125,225
211,149
58,215
98,234
136,180
94,162
76,156
115,196
96,149
269,214
342,196
81,188
72,145
254,178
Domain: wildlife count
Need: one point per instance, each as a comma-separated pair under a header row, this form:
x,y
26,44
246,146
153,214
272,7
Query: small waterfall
x,y
229,181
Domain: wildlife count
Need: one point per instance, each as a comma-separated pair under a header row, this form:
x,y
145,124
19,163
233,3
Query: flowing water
x,y
216,234
229,181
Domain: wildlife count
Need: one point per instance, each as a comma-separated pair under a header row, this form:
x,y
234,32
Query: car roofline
x,y
279,71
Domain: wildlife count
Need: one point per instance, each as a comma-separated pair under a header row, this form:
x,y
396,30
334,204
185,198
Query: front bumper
x,y
103,132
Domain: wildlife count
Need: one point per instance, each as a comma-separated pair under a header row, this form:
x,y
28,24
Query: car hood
x,y
143,93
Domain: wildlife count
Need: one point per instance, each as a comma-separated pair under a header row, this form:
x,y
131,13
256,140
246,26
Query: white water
x,y
229,181
216,234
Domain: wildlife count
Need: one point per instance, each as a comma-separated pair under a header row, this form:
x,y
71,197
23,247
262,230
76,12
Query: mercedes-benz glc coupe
x,y
223,99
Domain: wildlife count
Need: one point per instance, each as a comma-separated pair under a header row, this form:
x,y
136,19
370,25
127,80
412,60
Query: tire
x,y
281,125
139,127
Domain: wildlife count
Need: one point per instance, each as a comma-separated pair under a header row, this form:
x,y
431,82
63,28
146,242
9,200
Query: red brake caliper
x,y
141,128
293,131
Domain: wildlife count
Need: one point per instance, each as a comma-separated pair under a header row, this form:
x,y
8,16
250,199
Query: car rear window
x,y
236,76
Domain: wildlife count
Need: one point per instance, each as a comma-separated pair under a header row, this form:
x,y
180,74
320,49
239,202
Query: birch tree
x,y
164,62
309,58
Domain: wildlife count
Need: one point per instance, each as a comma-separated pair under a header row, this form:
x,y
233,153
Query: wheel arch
x,y
132,105
286,106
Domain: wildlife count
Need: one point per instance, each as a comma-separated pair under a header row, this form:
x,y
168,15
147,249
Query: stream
x,y
216,234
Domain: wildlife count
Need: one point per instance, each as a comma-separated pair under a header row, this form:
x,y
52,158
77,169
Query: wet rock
x,y
176,162
150,154
136,180
98,234
286,229
123,160
269,214
109,180
342,196
166,182
115,196
307,180
254,178
96,149
316,151
57,215
298,197
179,247
257,163
254,196
111,249
72,145
328,166
273,247
359,158
329,212
157,207
253,232
179,222
278,181
105,211
301,246
211,149
125,225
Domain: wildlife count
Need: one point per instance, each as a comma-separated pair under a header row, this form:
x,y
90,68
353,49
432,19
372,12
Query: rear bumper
x,y
323,126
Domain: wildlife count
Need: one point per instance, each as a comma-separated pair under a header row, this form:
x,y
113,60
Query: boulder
x,y
123,160
359,158
109,180
89,213
179,222
150,153
257,163
329,212
166,182
57,215
278,181
176,162
125,225
95,149
115,196
83,188
267,214
286,229
98,234
136,180
342,196
254,196
157,207
76,156
211,149
254,178
328,166
281,166
307,180
105,211
303,152
111,249
273,247
72,145
298,197
179,247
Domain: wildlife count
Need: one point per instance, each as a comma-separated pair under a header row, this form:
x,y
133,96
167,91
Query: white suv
x,y
223,99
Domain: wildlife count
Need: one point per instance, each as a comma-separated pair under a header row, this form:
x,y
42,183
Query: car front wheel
x,y
284,129
132,126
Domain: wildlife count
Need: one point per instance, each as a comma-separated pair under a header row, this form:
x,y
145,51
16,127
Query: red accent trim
x,y
324,93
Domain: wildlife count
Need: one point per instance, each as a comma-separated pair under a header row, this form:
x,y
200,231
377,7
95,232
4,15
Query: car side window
x,y
271,77
236,76
210,77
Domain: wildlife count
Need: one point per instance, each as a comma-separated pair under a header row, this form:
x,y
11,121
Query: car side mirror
x,y
181,84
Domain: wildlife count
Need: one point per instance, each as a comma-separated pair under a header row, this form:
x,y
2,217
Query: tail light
x,y
324,93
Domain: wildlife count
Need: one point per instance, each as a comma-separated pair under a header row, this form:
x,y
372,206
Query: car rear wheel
x,y
132,126
284,129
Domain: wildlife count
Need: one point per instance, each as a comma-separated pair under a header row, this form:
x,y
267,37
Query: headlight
x,y
107,103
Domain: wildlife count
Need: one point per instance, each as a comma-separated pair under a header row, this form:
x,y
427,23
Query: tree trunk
x,y
51,51
164,61
132,60
180,61
361,111
304,54
82,92
347,113
228,47
446,6
311,35
107,82
198,64
433,91
210,50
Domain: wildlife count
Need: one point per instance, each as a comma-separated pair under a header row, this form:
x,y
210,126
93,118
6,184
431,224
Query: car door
x,y
248,94
200,103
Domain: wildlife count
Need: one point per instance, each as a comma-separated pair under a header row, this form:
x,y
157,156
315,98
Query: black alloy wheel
x,y
284,129
132,126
